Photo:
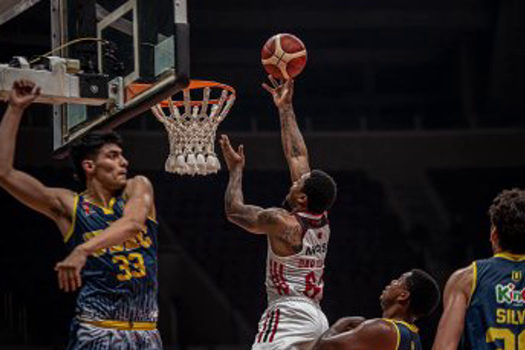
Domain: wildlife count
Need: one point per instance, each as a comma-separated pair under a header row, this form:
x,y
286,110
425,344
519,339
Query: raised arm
x,y
455,302
293,143
272,221
139,204
369,335
56,203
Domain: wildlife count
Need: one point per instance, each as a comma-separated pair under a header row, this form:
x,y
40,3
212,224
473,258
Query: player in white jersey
x,y
297,236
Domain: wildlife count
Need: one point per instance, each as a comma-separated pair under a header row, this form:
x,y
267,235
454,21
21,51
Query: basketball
x,y
283,56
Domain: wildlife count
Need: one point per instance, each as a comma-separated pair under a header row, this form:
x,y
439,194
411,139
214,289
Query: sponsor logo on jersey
x,y
142,239
508,294
517,276
87,209
316,249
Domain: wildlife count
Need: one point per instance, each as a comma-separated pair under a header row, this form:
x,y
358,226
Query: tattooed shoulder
x,y
290,233
272,215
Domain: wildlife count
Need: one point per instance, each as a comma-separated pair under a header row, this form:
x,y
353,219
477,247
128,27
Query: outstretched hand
x,y
69,269
23,93
233,159
282,92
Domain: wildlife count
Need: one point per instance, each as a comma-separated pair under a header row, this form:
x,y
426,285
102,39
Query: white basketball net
x,y
191,131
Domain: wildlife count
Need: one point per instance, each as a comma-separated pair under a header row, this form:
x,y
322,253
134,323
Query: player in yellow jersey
x,y
413,295
109,228
484,303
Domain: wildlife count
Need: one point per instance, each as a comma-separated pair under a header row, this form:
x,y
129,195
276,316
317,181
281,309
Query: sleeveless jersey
x,y
407,335
300,274
118,283
495,318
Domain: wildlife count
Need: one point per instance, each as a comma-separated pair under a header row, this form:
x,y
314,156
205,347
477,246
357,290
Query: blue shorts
x,y
85,336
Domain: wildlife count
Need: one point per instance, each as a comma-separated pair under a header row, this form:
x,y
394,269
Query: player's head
x,y
98,155
416,291
314,191
507,216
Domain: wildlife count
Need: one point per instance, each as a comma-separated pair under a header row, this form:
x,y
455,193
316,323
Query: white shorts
x,y
292,323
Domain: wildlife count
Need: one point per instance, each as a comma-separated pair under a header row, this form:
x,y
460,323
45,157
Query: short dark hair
x,y
507,214
321,191
424,293
88,146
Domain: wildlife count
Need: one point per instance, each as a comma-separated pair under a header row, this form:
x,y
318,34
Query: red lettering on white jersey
x,y
300,274
278,280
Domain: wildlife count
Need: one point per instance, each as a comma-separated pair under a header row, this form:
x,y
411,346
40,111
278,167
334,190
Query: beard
x,y
286,205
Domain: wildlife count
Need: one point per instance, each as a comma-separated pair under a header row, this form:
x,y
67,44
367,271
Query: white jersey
x,y
300,274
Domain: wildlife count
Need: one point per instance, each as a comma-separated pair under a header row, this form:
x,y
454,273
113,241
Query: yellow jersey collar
x,y
410,326
510,256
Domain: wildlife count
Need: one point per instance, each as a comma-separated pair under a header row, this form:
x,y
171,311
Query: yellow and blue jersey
x,y
119,283
407,335
495,317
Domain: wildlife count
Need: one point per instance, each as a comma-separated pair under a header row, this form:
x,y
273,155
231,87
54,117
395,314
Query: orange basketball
x,y
283,56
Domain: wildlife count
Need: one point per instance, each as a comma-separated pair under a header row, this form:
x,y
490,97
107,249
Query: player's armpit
x,y
455,302
370,335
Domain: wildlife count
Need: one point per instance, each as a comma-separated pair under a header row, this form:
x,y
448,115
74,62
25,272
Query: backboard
x,y
119,43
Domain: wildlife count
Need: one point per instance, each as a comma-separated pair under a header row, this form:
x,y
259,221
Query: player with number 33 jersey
x,y
120,283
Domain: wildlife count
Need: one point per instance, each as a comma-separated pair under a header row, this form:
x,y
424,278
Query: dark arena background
x,y
416,107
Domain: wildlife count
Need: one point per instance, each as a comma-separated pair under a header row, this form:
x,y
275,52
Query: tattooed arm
x,y
272,221
275,222
293,143
246,216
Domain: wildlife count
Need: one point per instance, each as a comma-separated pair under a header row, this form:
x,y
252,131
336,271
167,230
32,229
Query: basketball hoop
x,y
191,130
